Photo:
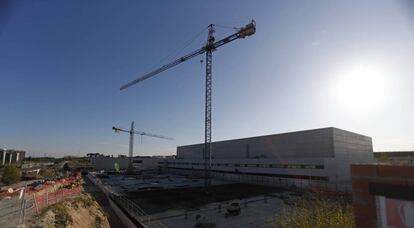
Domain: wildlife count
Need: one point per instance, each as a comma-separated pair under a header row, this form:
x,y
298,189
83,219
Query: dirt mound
x,y
81,211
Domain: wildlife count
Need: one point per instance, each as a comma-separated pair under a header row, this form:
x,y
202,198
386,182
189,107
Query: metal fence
x,y
135,211
42,201
288,183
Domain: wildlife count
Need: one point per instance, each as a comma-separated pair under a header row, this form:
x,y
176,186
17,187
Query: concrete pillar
x,y
3,157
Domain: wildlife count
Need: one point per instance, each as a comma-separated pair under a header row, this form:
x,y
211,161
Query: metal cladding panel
x,y
305,144
345,141
357,148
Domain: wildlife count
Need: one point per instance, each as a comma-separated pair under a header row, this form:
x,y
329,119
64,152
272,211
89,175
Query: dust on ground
x,y
82,211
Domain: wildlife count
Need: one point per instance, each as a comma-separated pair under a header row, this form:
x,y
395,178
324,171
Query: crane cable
x,y
178,50
227,27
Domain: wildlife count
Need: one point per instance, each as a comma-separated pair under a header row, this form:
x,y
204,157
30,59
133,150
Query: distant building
x,y
10,156
91,155
312,157
401,157
140,163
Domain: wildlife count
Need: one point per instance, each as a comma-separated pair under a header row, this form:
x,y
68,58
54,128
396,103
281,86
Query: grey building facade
x,y
320,155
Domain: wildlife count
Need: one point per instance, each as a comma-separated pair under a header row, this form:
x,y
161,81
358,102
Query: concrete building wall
x,y
349,148
107,163
284,166
305,144
322,154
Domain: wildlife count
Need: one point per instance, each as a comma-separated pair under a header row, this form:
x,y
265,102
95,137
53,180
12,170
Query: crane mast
x,y
210,46
207,122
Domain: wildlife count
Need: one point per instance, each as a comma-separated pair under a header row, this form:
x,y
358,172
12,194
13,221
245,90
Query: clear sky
x,y
311,64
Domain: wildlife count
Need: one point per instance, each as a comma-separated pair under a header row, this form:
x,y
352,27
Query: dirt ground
x,y
79,212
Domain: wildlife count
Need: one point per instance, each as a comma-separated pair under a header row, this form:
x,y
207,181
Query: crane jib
x,y
248,30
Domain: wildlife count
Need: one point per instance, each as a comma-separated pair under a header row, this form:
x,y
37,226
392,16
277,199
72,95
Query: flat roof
x,y
277,134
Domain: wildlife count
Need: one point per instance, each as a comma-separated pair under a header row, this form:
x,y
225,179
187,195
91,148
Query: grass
x,y
319,213
85,200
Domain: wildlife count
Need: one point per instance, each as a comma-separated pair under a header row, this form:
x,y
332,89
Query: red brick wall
x,y
364,203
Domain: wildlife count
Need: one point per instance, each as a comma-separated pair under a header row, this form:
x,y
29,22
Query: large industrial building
x,y
320,156
8,157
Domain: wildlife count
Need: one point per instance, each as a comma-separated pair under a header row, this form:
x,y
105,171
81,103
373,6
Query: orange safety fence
x,y
42,201
48,186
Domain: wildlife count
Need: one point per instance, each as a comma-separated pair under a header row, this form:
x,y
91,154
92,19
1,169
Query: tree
x,y
11,175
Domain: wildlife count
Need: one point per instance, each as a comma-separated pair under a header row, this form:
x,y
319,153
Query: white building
x,y
306,158
8,157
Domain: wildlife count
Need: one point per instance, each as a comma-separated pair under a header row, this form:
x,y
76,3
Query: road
x,y
10,211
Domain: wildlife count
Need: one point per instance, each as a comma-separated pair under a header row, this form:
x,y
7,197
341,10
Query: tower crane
x,y
210,46
133,132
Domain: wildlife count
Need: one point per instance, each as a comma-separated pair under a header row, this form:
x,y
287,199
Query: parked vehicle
x,y
233,208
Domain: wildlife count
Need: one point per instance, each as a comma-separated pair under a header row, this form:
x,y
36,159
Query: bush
x,y
83,200
62,216
11,175
318,214
98,222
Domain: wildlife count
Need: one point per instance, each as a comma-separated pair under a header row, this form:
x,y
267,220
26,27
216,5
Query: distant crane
x,y
133,132
210,46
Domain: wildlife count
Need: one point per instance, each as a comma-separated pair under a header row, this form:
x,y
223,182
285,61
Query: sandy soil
x,y
81,214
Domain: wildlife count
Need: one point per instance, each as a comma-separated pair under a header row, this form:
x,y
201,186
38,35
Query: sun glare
x,y
361,88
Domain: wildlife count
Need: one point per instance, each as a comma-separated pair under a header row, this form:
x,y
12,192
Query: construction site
x,y
242,182
170,200
288,142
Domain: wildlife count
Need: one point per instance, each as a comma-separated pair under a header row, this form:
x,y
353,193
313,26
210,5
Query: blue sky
x,y
62,63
